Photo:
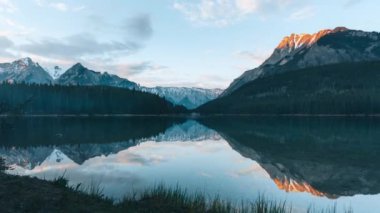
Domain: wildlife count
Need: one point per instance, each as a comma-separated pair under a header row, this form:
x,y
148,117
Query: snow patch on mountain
x,y
191,98
24,70
80,75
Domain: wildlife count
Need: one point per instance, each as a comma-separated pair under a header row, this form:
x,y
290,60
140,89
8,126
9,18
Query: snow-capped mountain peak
x,y
26,62
80,75
57,157
191,98
22,64
24,70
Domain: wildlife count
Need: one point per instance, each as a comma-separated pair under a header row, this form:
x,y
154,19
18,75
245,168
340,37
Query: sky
x,y
192,43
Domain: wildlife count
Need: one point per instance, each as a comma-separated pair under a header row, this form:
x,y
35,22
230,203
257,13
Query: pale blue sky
x,y
203,43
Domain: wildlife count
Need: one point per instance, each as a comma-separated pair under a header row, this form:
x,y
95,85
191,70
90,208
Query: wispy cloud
x,y
109,54
7,6
130,69
60,6
79,45
254,57
139,26
350,3
224,12
15,28
303,13
5,45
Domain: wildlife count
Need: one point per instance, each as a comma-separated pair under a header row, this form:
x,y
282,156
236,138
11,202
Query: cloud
x,y
88,48
224,12
138,68
7,6
5,44
17,28
63,7
59,6
77,46
350,3
252,56
140,26
303,13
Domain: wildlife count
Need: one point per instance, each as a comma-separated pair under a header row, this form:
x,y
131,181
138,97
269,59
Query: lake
x,y
313,161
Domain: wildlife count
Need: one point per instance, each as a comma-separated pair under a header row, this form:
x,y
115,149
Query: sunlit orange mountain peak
x,y
295,41
290,185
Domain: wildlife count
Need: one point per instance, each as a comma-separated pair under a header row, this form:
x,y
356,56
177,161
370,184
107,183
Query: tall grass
x,y
160,198
163,199
331,209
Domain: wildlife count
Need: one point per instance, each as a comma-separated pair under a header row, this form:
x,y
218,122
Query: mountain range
x,y
298,51
333,71
330,72
25,70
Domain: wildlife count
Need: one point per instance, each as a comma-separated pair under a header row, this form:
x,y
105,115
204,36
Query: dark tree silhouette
x,y
349,88
56,99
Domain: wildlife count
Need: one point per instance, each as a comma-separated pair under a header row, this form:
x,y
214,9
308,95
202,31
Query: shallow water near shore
x,y
304,161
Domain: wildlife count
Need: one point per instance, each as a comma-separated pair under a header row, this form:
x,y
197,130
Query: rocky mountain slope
x,y
80,75
24,70
191,98
330,72
188,97
298,51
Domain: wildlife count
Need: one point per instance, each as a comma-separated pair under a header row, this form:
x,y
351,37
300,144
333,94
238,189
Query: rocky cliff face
x,y
80,75
325,47
24,70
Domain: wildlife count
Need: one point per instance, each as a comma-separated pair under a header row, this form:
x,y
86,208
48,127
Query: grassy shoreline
x,y
26,194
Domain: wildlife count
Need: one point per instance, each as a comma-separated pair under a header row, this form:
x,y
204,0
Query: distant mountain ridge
x,y
25,70
80,75
298,51
191,98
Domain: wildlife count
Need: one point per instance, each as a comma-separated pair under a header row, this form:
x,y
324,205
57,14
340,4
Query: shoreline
x,y
28,194
190,115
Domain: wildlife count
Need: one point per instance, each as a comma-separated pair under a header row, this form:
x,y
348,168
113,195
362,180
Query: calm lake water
x,y
306,161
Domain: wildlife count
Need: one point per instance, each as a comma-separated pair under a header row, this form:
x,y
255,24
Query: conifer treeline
x,y
348,88
57,99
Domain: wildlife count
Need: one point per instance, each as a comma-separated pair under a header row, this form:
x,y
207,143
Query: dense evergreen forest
x,y
350,88
57,99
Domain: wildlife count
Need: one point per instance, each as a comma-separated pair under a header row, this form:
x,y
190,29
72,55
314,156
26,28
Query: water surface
x,y
305,161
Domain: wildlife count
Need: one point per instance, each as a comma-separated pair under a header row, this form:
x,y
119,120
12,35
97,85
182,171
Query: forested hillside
x,y
347,88
56,99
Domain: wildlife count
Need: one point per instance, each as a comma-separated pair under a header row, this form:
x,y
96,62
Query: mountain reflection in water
x,y
305,161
